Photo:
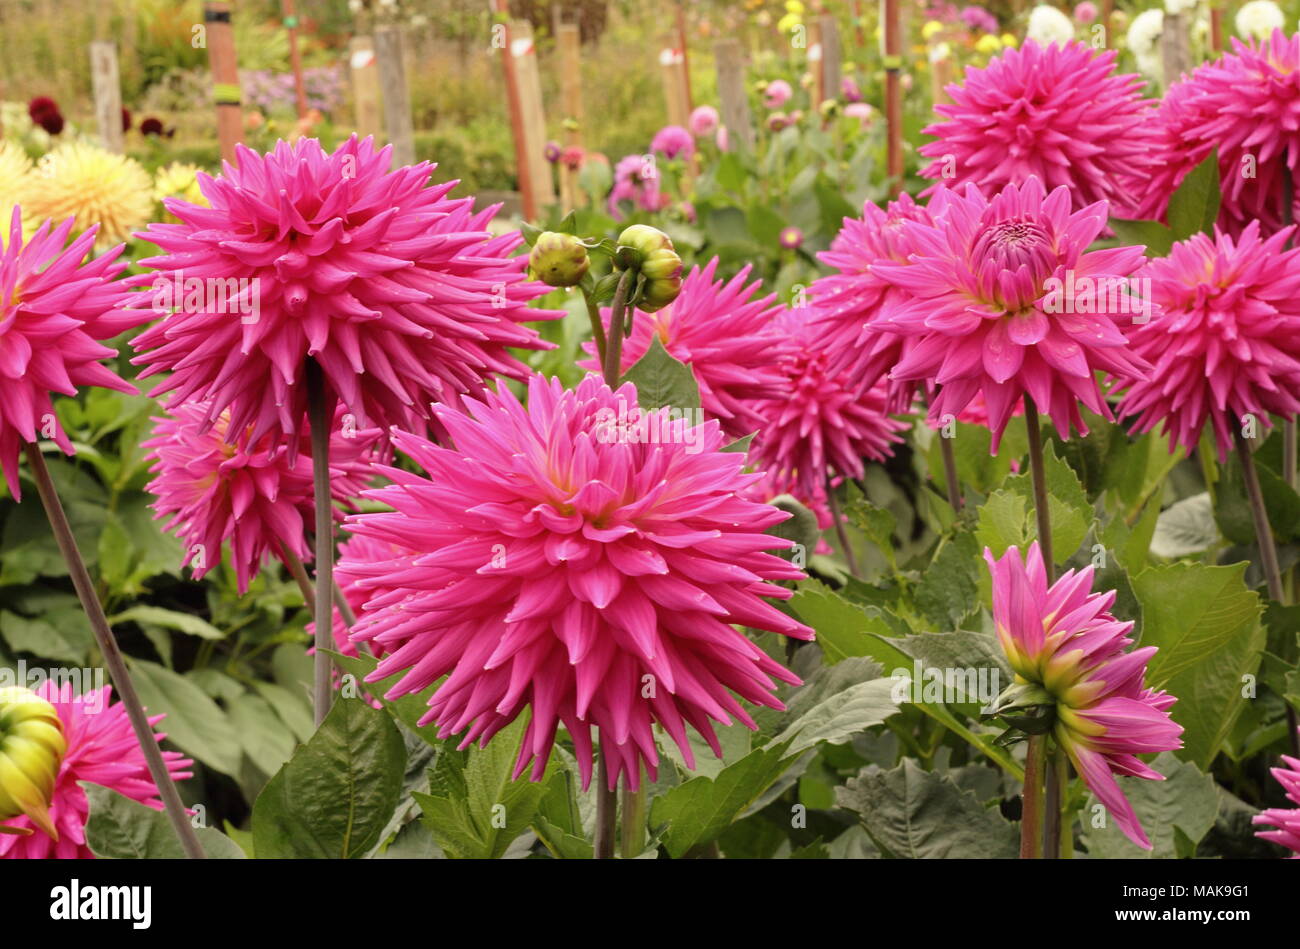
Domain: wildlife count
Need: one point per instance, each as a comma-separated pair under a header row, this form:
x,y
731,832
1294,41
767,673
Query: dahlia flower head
x,y
396,291
704,121
822,425
777,93
15,167
1243,104
846,304
636,179
1284,821
594,579
353,550
217,485
673,141
1062,638
1227,342
54,310
1059,113
93,186
102,749
724,334
995,293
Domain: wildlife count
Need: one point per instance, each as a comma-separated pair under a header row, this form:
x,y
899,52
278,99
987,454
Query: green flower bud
x,y
651,251
559,260
32,747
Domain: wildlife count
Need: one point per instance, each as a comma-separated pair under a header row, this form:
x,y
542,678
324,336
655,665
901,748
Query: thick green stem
x,y
950,472
1042,512
597,330
1031,814
634,810
614,346
1052,803
606,813
319,416
113,658
843,536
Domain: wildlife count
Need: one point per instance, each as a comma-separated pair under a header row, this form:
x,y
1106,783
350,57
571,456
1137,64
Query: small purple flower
x,y
777,94
673,141
791,238
849,89
552,151
977,18
704,121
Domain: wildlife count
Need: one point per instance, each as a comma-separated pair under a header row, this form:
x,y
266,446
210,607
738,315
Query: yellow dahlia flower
x,y
15,167
178,180
94,186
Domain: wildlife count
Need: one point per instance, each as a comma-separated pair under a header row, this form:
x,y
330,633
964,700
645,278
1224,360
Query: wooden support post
x,y
108,94
1175,56
501,40
893,93
524,52
859,25
397,101
675,94
832,57
940,56
731,93
1216,27
569,44
295,59
813,62
684,46
365,88
225,77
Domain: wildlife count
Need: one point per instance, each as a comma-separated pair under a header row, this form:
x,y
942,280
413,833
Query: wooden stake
x,y
501,41
108,94
731,93
225,77
1216,28
814,62
569,43
832,57
1174,53
893,94
397,101
684,46
295,59
940,76
672,68
365,88
524,52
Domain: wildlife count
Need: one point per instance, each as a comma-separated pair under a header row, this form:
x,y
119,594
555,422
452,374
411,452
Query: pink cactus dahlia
x,y
822,426
1284,821
102,750
1228,340
217,485
1006,302
397,291
1063,640
53,311
1059,113
567,568
846,304
723,335
1243,104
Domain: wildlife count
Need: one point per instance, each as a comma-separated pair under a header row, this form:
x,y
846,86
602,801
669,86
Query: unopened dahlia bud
x,y
31,749
559,260
649,250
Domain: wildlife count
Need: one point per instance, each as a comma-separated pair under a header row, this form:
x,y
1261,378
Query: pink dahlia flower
x,y
777,93
821,425
996,294
704,121
1244,104
1285,821
723,335
1063,639
593,578
53,311
673,141
102,749
220,486
636,179
847,303
1059,113
398,292
1227,342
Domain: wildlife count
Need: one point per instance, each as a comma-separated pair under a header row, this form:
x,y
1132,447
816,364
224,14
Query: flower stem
x,y
606,813
113,659
597,330
1041,511
614,347
1031,814
318,417
1053,802
950,472
1267,553
633,841
838,517
299,574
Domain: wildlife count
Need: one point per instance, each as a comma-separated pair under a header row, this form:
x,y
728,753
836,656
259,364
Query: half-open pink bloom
x,y
1227,342
398,292
577,570
1063,639
1005,301
673,141
847,303
1243,104
102,749
723,335
822,426
1059,113
220,486
53,311
1284,821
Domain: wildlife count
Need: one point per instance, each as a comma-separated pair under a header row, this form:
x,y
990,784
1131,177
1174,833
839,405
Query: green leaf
x,y
334,797
949,588
170,619
877,523
266,741
409,709
45,637
661,380
837,703
1205,623
122,829
702,808
912,813
842,627
1186,527
1004,522
1154,236
1186,802
194,722
1071,512
1194,207
740,444
474,808
294,712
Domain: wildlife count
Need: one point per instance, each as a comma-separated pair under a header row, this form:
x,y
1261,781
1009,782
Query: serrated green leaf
x,y
661,380
1186,803
194,722
1194,207
122,829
